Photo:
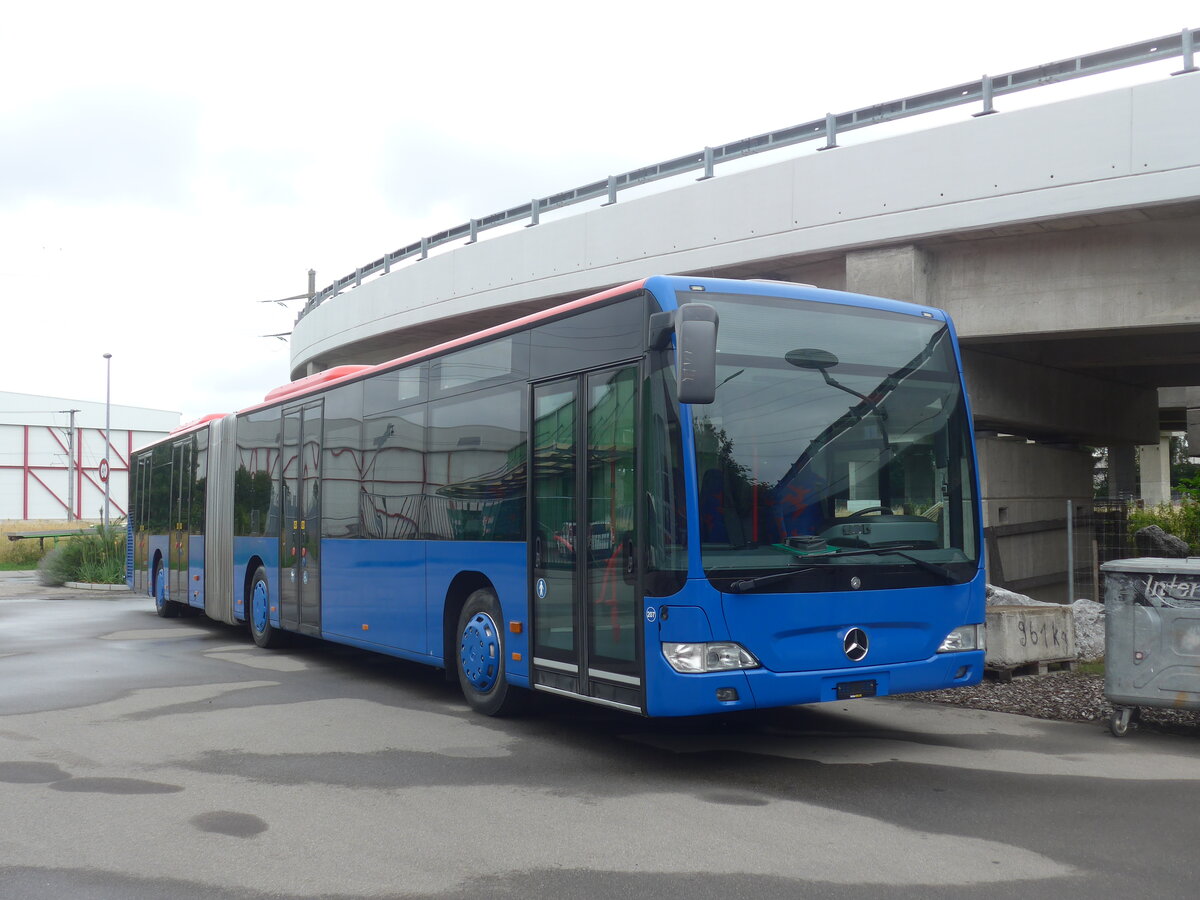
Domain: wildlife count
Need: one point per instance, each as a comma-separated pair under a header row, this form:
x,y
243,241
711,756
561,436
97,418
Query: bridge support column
x,y
1122,470
898,273
1156,471
1193,421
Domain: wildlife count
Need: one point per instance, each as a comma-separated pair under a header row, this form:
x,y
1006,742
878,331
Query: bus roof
x,y
195,423
343,374
303,385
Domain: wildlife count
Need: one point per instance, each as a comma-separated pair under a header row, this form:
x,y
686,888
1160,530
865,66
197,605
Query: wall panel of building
x,y
37,450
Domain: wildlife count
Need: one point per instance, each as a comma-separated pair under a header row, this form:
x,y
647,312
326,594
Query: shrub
x,y
1190,487
98,557
55,568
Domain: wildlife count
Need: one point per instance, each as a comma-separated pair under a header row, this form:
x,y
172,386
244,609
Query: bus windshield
x,y
838,439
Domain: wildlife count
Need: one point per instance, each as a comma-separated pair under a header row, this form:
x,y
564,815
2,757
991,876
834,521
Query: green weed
x,y
1180,519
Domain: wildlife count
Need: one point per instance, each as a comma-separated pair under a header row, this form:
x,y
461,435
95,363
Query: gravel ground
x,y
1064,696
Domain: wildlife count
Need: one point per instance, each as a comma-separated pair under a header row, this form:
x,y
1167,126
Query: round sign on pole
x,y
104,470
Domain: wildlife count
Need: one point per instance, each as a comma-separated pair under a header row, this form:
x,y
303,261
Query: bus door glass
x,y
300,521
181,502
141,534
584,489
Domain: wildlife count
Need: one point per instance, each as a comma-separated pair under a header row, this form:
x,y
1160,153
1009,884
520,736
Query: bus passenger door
x,y
583,490
300,520
138,518
181,504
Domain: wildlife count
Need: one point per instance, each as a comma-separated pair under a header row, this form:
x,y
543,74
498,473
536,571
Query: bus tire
x,y
165,607
481,652
258,613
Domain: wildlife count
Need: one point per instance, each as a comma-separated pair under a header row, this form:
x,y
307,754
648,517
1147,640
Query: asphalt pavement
x,y
147,757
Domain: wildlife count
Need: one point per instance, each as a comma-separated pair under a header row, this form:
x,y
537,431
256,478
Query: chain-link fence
x,y
1053,549
1099,533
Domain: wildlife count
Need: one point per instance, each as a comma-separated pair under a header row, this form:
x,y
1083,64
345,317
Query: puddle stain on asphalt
x,y
31,773
233,824
114,786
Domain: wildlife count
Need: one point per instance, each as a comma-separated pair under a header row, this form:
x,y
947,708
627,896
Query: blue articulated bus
x,y
677,497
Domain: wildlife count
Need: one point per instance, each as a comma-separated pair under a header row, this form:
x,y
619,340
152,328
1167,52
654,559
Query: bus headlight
x,y
714,656
965,637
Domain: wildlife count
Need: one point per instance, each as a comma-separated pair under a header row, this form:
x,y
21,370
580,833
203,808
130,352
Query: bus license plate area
x,y
854,690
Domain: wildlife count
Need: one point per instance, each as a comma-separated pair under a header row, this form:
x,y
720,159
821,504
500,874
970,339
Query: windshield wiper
x,y
940,571
748,584
731,377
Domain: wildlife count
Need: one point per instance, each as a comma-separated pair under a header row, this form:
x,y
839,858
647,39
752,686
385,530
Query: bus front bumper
x,y
701,694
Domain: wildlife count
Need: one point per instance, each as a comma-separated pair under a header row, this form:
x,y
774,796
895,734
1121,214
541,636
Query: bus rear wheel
x,y
258,613
481,670
163,605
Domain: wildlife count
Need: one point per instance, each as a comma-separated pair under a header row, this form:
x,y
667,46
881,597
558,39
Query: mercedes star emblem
x,y
855,644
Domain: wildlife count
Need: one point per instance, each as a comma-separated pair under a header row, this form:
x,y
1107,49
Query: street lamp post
x,y
107,433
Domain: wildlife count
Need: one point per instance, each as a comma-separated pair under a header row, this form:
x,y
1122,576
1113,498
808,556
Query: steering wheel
x,y
885,510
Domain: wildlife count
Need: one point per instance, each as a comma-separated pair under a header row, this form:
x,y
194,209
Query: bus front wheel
x,y
481,657
264,633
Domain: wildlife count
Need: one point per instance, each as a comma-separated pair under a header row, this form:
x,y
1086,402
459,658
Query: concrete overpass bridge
x,y
1064,239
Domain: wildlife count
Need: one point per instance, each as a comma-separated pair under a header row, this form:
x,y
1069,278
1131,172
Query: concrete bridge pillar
x,y
898,273
1122,470
1193,420
1156,472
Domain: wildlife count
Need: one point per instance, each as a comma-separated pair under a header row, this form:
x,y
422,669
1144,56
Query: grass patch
x,y
22,555
1095,667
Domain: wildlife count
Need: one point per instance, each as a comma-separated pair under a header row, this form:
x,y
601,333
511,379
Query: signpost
x,y
107,432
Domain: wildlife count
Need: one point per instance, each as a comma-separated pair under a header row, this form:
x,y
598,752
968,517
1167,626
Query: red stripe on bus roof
x,y
196,423
317,378
311,383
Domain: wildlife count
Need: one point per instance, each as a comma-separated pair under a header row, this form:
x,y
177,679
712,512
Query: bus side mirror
x,y
696,353
695,328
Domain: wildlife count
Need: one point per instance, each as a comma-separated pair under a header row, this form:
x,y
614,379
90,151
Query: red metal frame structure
x,y
32,472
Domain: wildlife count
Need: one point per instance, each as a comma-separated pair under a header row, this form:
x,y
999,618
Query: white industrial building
x,y
51,450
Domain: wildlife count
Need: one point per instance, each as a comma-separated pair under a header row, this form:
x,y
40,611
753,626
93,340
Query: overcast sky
x,y
164,166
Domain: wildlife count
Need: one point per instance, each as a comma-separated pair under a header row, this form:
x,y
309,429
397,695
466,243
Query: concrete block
x,y
1019,635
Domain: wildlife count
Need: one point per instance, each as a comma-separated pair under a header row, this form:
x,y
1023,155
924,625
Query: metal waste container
x,y
1152,636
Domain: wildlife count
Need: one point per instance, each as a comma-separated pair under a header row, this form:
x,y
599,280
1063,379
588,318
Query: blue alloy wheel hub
x,y
480,652
258,606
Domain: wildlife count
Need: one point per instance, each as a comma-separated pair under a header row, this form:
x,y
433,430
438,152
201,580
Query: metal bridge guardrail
x,y
981,91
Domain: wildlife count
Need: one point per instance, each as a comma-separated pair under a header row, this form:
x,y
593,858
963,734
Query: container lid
x,y
1152,564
